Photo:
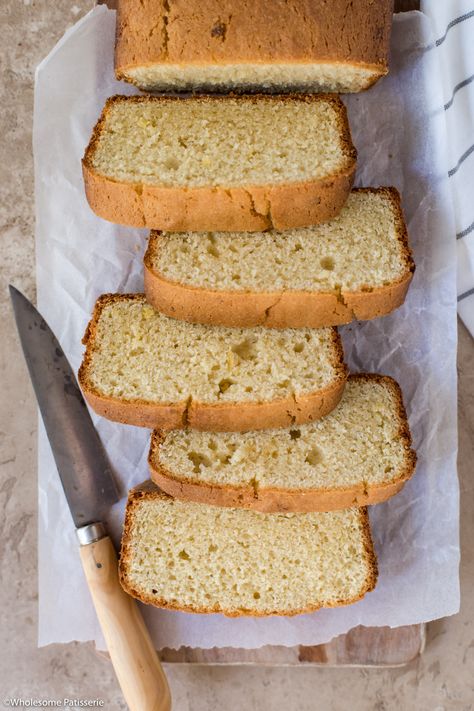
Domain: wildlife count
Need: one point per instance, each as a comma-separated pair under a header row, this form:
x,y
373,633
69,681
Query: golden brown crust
x,y
284,309
149,491
224,416
273,500
247,208
216,33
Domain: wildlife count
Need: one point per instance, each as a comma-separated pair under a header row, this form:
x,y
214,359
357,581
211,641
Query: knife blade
x,y
90,489
80,458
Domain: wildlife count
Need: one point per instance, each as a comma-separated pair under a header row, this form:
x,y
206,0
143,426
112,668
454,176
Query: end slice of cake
x,y
199,558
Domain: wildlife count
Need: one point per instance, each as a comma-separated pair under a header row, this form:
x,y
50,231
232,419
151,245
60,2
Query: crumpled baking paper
x,y
398,128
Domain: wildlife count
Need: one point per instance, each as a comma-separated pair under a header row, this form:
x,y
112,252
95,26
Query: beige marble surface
x,y
443,678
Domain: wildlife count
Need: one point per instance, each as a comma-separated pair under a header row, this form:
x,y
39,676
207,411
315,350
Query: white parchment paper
x,y
399,131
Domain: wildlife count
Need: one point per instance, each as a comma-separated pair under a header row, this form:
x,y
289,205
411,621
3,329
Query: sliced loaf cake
x,y
220,163
199,558
143,368
234,45
359,454
357,266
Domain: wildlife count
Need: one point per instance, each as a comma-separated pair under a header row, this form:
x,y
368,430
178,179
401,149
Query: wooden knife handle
x,y
138,669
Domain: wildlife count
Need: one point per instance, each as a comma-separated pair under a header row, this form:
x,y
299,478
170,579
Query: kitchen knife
x,y
90,490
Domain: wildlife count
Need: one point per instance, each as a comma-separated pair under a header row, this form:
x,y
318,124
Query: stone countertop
x,y
441,679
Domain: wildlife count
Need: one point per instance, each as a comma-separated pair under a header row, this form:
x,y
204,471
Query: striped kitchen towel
x,y
453,29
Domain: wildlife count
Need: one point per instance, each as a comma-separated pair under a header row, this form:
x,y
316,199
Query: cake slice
x,y
220,163
199,558
235,45
357,266
359,454
143,368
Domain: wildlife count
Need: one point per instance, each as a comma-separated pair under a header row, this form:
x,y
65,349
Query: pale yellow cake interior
x,y
362,247
281,77
141,354
205,557
357,442
330,77
227,142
